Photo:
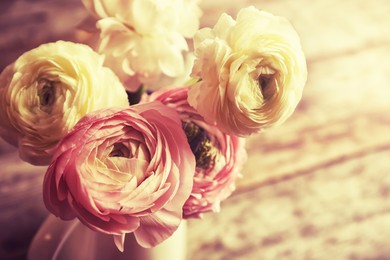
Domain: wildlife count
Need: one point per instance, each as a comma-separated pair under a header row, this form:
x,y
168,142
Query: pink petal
x,y
119,241
157,227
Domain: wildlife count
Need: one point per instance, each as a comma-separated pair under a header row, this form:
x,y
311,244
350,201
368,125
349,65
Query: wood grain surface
x,y
317,187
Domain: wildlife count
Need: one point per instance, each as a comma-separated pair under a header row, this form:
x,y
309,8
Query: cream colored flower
x,y
150,16
253,72
141,59
47,90
144,41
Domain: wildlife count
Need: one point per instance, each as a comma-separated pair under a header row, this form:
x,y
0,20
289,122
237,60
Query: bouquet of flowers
x,y
142,167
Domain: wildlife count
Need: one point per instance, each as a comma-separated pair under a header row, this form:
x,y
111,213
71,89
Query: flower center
x,y
201,145
267,85
46,94
120,150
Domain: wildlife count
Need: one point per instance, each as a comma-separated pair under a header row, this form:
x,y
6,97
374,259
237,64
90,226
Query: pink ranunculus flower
x,y
121,171
219,157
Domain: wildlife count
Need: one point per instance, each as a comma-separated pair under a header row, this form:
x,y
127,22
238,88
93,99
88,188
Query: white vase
x,y
63,240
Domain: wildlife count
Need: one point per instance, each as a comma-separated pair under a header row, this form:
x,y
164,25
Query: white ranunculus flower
x,y
142,59
252,72
150,16
144,41
45,92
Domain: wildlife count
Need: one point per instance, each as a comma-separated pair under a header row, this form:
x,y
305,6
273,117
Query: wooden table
x,y
317,187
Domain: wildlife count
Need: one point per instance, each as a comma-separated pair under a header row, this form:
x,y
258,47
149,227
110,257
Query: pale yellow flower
x,y
253,71
45,92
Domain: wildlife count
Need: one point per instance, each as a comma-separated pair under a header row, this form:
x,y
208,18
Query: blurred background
x,y
317,187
